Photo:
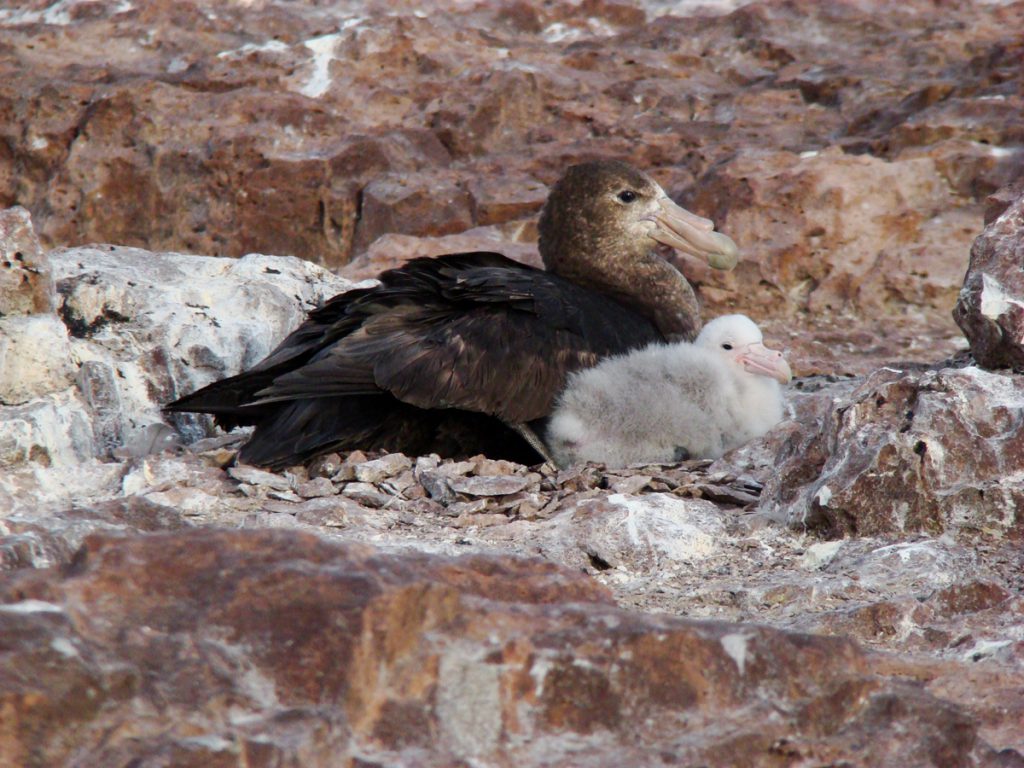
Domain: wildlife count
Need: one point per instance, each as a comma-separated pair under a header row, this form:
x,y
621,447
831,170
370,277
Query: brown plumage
x,y
446,354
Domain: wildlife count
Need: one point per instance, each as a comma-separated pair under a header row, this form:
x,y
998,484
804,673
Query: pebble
x,y
284,495
458,508
498,485
380,469
632,484
485,466
316,488
347,470
246,474
325,466
483,521
436,485
367,494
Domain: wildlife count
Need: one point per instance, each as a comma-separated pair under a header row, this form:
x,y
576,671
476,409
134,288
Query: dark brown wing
x,y
231,399
479,334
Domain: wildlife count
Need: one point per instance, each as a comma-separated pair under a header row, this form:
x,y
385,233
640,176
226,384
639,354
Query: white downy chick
x,y
669,402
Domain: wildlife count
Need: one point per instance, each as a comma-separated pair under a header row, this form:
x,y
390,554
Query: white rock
x,y
35,357
819,555
640,532
51,431
135,330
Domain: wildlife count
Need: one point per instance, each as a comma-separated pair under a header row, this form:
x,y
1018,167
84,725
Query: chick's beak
x,y
689,233
758,359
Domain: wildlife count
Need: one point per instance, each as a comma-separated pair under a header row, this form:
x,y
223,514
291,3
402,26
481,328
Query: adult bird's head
x,y
600,227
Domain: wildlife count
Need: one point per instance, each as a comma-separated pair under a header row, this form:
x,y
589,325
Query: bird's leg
x,y
535,442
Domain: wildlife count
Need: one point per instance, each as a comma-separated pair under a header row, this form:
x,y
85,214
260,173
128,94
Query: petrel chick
x,y
669,402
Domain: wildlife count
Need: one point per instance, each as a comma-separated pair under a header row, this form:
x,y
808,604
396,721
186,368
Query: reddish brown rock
x,y
517,240
26,282
505,197
907,451
413,204
1001,199
990,309
262,648
803,255
258,128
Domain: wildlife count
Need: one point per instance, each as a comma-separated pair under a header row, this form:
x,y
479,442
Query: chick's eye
x,y
727,346
627,196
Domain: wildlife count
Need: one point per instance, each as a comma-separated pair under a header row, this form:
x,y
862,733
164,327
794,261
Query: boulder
x,y
890,237
990,309
908,451
277,648
35,357
26,283
133,330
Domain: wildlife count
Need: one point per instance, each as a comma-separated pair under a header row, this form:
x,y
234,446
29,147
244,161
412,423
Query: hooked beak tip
x,y
686,232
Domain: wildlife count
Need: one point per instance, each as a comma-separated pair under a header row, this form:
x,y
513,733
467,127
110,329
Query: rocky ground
x,y
847,591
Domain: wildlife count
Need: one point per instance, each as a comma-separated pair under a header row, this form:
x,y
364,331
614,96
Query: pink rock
x,y
990,309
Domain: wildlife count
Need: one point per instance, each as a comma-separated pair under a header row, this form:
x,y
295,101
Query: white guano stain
x,y
31,606
64,647
824,495
323,53
274,46
994,300
735,646
324,48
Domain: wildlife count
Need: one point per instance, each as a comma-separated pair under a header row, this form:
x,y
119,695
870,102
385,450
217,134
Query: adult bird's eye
x,y
627,195
727,346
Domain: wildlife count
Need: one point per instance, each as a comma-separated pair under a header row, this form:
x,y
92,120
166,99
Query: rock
x,y
436,485
347,470
818,261
180,129
1001,199
134,329
414,204
436,477
656,530
485,466
465,509
50,431
256,476
274,627
497,200
517,240
326,465
316,488
380,469
990,310
497,485
223,139
35,357
973,170
971,597
480,520
289,496
156,438
907,451
632,484
26,283
366,493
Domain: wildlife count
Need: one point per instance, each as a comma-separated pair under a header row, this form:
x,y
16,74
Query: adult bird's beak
x,y
757,358
689,233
